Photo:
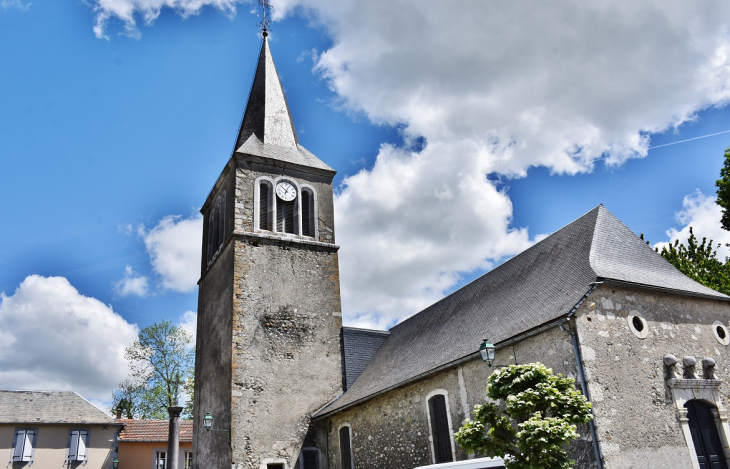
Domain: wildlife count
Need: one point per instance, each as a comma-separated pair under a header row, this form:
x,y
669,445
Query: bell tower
x,y
269,313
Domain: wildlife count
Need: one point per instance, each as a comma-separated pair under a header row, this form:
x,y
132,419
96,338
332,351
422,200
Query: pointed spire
x,y
267,129
267,114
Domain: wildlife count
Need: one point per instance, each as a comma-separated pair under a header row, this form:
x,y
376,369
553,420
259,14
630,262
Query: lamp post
x,y
115,463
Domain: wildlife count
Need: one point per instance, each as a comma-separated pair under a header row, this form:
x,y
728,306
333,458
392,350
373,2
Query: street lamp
x,y
115,463
486,350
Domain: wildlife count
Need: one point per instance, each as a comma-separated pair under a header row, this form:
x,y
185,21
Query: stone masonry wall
x,y
286,350
636,427
246,176
391,431
213,363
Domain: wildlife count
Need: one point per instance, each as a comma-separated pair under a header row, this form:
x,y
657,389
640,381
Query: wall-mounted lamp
x,y
486,350
115,463
208,423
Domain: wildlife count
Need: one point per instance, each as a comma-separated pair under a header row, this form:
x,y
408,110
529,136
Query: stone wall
x,y
637,426
213,363
286,350
391,431
246,176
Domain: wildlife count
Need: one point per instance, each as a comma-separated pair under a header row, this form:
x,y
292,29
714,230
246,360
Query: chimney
x,y
119,413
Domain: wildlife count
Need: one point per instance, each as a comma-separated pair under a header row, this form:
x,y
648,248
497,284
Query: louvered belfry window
x,y
440,429
345,448
308,215
216,225
264,206
285,216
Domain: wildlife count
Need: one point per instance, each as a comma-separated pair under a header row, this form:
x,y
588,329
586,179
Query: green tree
x,y
723,191
161,363
698,261
531,422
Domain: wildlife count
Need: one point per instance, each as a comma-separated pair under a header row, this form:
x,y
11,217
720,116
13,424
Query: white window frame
x,y
314,208
156,456
319,456
257,205
75,436
188,457
445,393
352,447
26,456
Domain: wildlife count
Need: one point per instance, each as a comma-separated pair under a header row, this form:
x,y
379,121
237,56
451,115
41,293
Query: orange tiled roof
x,y
153,430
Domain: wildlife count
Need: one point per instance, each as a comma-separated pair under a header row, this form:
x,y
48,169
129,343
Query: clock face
x,y
286,191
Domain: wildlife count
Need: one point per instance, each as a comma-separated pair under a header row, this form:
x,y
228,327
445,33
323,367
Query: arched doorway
x,y
705,436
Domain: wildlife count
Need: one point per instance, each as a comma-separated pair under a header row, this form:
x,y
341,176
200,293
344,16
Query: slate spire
x,y
267,114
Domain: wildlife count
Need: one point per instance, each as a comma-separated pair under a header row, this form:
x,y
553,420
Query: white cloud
x,y
700,212
129,11
131,284
495,87
411,224
54,338
189,323
174,246
15,4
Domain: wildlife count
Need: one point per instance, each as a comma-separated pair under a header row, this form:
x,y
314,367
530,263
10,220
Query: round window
x,y
721,333
638,325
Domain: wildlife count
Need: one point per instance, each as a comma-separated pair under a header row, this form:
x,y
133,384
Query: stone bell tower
x,y
269,313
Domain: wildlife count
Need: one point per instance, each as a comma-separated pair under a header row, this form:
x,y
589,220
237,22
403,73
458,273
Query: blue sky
x,y
108,147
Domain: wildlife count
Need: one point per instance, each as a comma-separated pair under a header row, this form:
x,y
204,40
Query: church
x,y
281,384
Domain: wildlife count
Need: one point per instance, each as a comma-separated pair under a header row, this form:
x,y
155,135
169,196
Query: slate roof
x,y
359,347
539,285
267,129
153,430
49,407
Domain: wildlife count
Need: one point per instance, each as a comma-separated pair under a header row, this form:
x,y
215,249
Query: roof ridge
x,y
505,264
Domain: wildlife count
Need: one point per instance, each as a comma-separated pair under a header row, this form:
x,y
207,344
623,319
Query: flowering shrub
x,y
531,421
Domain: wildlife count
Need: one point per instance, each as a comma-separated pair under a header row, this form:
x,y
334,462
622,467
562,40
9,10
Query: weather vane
x,y
264,24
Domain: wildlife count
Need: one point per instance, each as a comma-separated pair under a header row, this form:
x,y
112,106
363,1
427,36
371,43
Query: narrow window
x,y
264,206
345,448
216,226
309,459
78,444
221,219
188,460
308,216
275,466
23,445
440,429
284,216
160,460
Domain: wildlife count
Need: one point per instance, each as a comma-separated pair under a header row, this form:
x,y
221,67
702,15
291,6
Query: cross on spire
x,y
264,24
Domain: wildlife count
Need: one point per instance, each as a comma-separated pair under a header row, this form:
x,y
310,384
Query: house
x,y
289,387
55,429
143,444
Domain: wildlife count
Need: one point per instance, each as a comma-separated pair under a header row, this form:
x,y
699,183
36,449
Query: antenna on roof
x,y
264,24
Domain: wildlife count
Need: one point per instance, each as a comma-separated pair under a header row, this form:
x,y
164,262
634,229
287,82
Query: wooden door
x,y
705,436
